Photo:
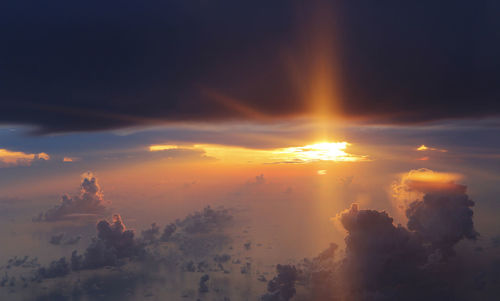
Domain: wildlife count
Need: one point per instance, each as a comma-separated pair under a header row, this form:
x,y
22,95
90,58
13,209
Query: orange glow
x,y
427,175
43,156
162,147
70,159
426,148
323,151
19,158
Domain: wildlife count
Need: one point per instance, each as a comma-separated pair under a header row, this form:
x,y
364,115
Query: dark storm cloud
x,y
384,261
379,254
282,287
443,217
93,66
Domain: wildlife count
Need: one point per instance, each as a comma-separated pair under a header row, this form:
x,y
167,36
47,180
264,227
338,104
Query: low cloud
x,y
194,244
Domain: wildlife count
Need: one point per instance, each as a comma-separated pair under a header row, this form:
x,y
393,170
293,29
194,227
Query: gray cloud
x,y
282,287
443,217
88,202
113,244
384,261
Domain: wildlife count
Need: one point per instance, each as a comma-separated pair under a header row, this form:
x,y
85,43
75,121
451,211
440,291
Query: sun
x,y
321,151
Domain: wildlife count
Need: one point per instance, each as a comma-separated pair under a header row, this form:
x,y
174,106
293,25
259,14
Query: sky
x,y
249,150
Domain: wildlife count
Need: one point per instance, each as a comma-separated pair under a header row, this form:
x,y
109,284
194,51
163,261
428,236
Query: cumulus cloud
x,y
413,185
113,244
437,208
385,261
168,231
203,287
88,202
378,253
206,221
443,217
197,243
282,287
57,268
151,234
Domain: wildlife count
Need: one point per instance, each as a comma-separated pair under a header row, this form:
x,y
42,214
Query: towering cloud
x,y
88,202
443,217
114,243
438,210
379,254
384,261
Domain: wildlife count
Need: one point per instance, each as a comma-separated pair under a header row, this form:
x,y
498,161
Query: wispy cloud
x,y
12,158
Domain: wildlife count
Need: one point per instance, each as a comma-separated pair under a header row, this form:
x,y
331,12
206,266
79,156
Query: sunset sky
x,y
373,126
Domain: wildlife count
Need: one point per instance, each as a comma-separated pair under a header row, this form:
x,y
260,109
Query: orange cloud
x,y
12,158
70,159
413,185
423,147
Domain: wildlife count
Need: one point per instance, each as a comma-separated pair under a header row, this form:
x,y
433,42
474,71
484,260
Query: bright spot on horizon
x,y
323,151
423,147
322,172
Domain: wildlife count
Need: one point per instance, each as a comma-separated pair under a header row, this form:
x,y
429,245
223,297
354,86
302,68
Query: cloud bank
x,y
114,51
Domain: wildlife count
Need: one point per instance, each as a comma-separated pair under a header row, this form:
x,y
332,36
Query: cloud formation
x,y
443,217
189,245
384,261
88,202
113,244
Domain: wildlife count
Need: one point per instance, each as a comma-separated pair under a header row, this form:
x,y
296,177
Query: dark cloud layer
x,y
91,66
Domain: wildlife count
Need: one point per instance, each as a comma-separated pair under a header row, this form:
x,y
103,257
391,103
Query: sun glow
x,y
317,152
323,151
